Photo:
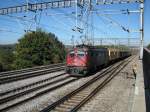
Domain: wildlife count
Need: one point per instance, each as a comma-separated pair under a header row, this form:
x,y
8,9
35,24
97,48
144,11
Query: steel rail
x,y
68,96
36,95
8,98
30,74
14,72
44,92
98,88
29,85
26,73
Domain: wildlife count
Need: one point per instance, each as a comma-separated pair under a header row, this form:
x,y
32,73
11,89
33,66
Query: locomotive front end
x,y
76,62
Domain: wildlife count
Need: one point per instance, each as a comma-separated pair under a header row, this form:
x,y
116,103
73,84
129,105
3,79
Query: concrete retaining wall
x,y
146,70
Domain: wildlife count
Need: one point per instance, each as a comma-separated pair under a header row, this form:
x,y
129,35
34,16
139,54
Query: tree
x,y
38,48
1,67
6,60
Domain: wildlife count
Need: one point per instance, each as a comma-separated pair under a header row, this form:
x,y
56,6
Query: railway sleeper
x,y
58,109
69,103
85,93
66,106
79,97
74,100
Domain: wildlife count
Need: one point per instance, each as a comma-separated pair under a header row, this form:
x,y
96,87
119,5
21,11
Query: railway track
x,y
19,92
16,97
77,98
11,78
11,99
29,85
14,72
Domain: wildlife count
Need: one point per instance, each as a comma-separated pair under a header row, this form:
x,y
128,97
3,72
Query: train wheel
x,y
95,68
84,72
76,71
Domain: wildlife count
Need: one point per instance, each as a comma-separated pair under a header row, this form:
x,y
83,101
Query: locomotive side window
x,y
71,54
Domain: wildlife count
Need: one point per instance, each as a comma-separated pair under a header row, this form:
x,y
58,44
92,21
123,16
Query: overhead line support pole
x,y
141,28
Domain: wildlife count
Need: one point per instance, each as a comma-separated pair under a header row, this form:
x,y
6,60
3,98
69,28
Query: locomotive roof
x,y
86,48
89,47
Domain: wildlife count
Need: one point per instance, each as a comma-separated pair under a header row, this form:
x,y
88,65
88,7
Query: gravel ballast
x,y
116,96
19,83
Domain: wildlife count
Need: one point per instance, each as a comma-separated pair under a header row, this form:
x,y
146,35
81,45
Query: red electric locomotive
x,y
84,59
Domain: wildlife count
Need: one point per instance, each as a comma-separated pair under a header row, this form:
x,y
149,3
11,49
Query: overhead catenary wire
x,y
11,31
64,24
26,22
105,24
96,28
115,23
105,14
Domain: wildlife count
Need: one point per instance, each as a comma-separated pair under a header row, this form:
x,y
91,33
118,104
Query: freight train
x,y
84,59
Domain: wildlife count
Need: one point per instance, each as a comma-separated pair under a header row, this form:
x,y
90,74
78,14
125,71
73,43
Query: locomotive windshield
x,y
79,53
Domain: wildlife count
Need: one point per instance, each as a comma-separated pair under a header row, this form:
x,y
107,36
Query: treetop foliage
x,y
38,48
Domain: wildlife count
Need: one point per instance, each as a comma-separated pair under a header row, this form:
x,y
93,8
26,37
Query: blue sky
x,y
61,22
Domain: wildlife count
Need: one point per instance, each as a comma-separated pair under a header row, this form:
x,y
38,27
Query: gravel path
x,y
117,96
